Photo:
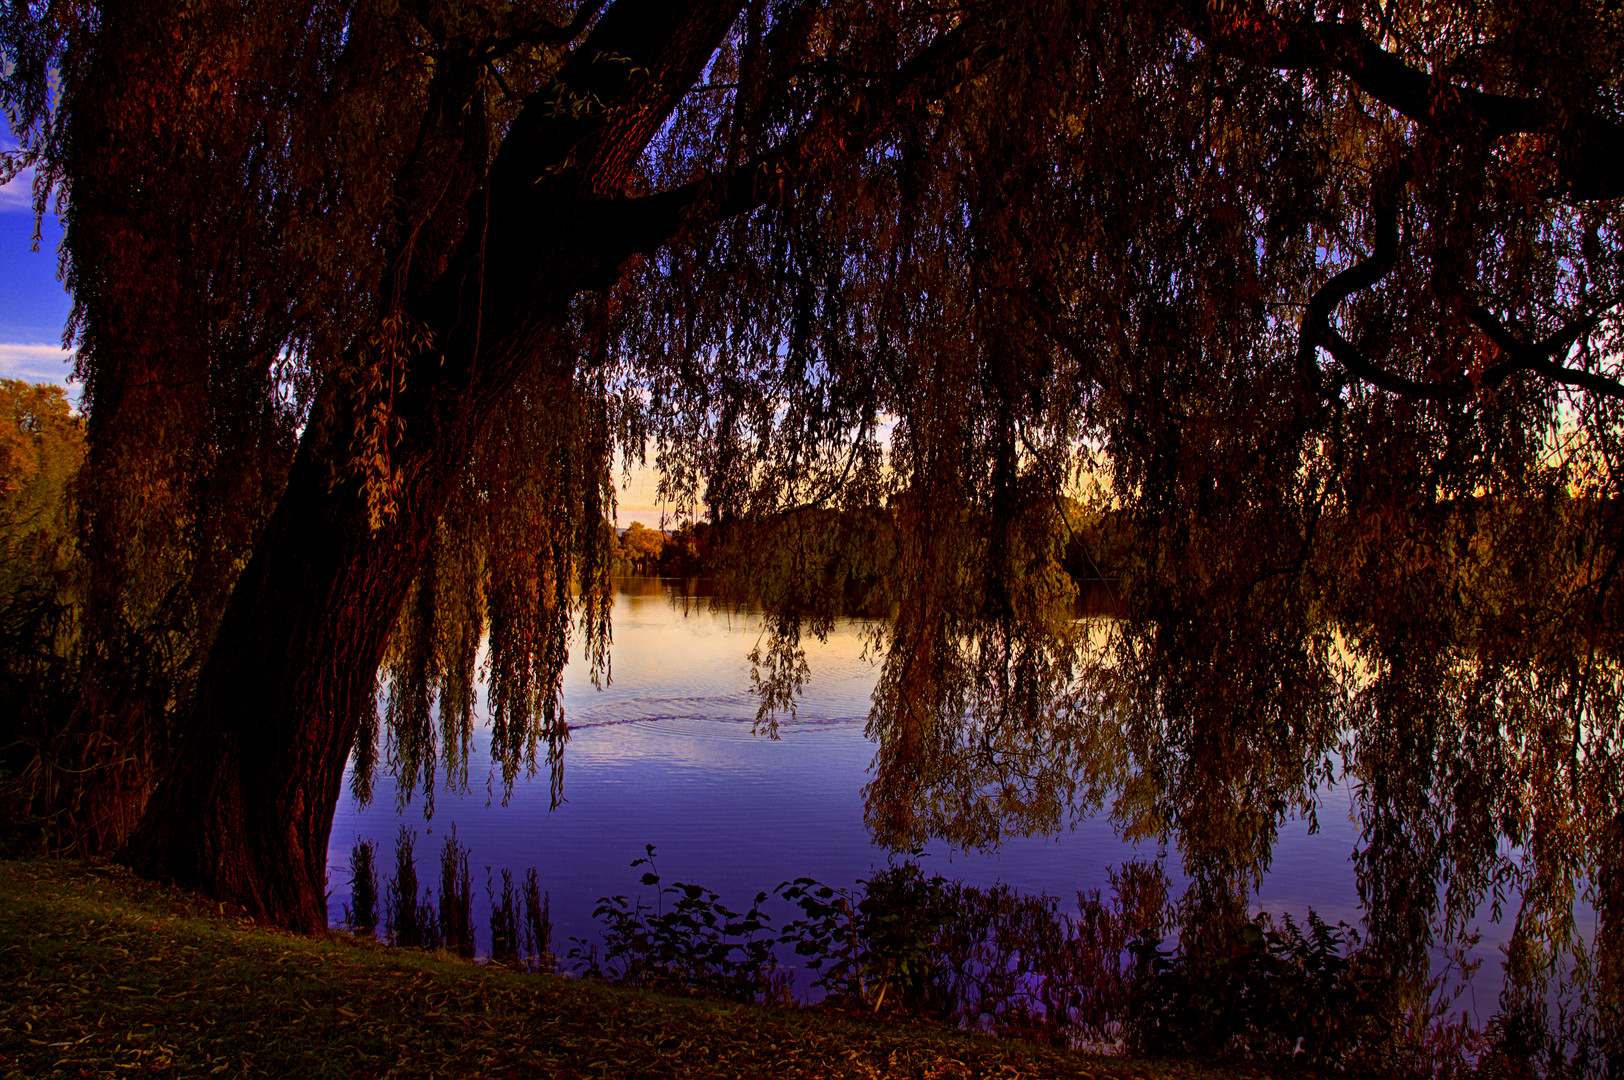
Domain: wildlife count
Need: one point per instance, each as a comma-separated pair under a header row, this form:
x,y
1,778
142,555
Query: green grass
x,y
102,974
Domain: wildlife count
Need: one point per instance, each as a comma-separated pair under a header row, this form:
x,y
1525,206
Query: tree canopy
x,y
1321,300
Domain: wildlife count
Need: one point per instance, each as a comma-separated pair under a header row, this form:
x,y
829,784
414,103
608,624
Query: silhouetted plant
x,y
828,937
1090,969
1552,1036
989,959
408,921
538,925
1238,1001
456,896
1297,995
505,915
906,917
697,944
400,897
983,965
361,913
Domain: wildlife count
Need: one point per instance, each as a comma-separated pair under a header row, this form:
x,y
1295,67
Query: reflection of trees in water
x,y
1440,631
1454,658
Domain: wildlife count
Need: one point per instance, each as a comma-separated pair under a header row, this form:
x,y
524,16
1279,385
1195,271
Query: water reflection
x,y
664,754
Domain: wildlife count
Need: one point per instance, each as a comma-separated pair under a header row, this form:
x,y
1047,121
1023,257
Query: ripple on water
x,y
665,755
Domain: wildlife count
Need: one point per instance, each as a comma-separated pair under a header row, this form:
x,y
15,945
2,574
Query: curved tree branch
x,y
1590,154
650,221
1539,357
610,97
544,32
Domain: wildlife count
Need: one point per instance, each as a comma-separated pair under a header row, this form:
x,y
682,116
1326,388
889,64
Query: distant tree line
x,y
1096,547
42,444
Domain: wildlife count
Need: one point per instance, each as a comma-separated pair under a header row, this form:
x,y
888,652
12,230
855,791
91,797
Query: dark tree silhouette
x,y
1323,301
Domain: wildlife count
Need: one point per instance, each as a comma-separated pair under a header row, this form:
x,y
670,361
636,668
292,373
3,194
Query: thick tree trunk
x,y
245,811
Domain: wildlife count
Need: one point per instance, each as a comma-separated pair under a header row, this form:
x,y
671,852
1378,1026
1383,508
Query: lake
x,y
664,755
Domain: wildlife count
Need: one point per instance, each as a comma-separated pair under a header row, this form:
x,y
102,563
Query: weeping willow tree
x,y
1322,302
1330,310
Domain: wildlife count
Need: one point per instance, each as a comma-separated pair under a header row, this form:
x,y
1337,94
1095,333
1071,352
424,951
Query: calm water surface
x,y
664,755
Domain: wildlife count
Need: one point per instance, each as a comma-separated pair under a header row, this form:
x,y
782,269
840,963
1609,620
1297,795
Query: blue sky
x,y
33,304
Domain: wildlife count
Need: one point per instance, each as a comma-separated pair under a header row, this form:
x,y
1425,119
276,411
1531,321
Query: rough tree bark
x,y
245,811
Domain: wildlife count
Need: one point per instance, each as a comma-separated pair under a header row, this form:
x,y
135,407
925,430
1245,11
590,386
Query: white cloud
x,y
37,363
18,195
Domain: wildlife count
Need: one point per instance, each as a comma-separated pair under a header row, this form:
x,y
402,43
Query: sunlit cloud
x,y
36,363
18,195
638,498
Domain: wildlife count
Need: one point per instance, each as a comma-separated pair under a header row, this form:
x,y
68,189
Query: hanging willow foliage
x,y
1375,535
518,567
1325,304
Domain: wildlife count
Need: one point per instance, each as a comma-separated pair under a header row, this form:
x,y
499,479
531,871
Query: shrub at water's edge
x,y
107,973
1108,976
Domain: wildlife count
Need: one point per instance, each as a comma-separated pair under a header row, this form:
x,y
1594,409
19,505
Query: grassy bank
x,y
106,975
